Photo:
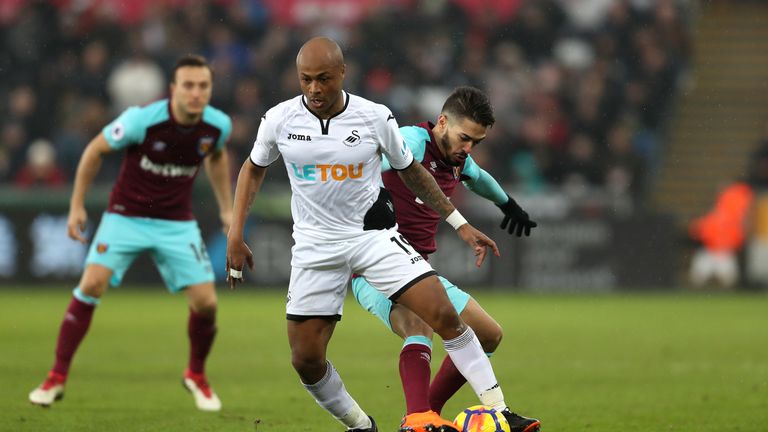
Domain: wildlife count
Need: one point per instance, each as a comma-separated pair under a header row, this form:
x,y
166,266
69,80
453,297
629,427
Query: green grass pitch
x,y
618,363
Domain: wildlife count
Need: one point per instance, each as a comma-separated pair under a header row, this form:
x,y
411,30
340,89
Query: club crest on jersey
x,y
159,146
204,146
353,139
433,166
101,248
456,172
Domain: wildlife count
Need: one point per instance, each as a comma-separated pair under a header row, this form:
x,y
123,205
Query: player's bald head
x,y
320,67
320,52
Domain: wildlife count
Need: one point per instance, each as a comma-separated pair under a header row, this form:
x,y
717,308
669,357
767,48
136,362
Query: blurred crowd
x,y
581,89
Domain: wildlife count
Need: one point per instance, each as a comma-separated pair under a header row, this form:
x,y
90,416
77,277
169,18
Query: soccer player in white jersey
x,y
331,143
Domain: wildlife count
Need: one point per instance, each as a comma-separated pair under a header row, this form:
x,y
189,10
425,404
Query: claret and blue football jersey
x,y
162,159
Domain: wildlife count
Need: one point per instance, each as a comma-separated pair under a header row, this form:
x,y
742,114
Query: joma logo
x,y
299,137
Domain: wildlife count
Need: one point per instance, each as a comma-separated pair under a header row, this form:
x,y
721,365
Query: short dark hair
x,y
193,60
471,103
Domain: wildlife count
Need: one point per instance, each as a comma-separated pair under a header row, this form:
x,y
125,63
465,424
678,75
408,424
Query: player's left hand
x,y
518,220
238,255
478,241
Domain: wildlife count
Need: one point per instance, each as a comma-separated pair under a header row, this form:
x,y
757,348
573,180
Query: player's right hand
x,y
238,254
478,241
76,224
516,218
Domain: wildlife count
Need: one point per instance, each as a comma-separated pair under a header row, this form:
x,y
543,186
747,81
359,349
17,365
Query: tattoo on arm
x,y
424,186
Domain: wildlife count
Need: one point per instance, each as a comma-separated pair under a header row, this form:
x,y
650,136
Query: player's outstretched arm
x,y
217,170
87,168
424,186
483,184
238,254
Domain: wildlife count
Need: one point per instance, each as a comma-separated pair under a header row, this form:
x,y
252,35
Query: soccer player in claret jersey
x,y
443,149
331,142
150,210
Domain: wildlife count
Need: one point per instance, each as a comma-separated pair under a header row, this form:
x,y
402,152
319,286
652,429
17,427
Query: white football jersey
x,y
334,165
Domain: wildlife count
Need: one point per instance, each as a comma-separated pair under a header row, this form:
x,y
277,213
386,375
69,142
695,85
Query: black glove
x,y
518,220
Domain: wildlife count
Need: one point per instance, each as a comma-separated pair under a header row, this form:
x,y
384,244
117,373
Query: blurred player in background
x,y
331,143
443,149
150,210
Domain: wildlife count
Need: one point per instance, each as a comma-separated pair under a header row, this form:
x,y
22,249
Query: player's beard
x,y
447,158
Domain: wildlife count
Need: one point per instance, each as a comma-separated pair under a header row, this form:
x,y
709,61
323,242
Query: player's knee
x,y
417,327
447,323
202,298
490,339
310,367
204,306
93,286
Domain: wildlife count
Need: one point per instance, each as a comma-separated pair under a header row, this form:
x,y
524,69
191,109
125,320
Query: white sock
x,y
331,394
468,356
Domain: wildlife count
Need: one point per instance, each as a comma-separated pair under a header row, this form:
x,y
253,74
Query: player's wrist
x,y
511,207
234,236
456,219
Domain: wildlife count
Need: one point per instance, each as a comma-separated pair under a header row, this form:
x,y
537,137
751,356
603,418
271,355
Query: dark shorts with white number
x,y
320,272
177,248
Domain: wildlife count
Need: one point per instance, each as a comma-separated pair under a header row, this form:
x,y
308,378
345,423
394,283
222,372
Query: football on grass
x,y
480,418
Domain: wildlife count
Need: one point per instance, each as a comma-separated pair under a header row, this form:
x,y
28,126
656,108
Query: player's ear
x,y
442,121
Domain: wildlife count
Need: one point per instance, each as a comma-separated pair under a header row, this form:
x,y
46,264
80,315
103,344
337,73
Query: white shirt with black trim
x,y
334,165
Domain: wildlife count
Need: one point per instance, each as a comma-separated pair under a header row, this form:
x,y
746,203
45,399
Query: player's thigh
x,y
405,323
180,254
458,297
317,293
398,319
201,297
372,300
427,299
115,245
388,262
308,340
488,331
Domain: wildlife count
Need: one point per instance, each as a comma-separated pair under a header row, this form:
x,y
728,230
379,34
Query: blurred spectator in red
x,y
721,232
41,168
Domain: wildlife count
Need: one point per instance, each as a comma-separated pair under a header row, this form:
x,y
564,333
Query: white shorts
x,y
320,272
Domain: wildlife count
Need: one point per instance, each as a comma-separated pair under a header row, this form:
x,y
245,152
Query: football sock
x,y
201,329
445,384
415,372
73,328
468,357
331,394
